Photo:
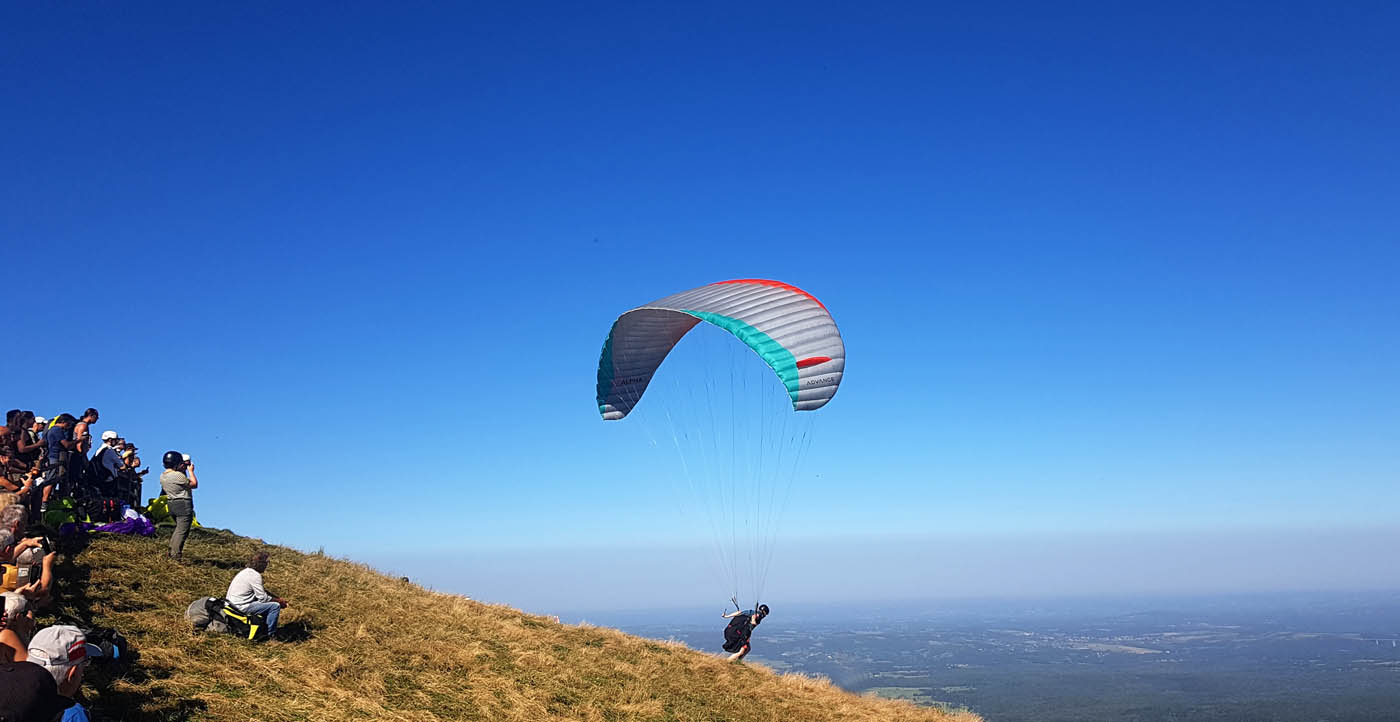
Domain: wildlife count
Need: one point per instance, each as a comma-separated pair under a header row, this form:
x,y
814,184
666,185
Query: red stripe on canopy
x,y
775,284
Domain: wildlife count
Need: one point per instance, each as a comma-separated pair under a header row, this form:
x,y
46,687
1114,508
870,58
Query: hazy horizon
x,y
923,567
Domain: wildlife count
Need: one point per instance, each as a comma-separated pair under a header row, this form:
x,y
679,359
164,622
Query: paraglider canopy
x,y
786,326
739,443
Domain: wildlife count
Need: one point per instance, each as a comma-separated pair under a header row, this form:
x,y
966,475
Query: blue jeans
x,y
271,609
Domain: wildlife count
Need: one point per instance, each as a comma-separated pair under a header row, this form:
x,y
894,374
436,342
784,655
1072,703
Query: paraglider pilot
x,y
741,624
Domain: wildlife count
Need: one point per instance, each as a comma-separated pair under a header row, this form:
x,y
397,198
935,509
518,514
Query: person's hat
x,y
13,605
41,420
109,435
29,694
172,459
61,645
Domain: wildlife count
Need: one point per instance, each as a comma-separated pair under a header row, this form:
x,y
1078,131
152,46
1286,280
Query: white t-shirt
x,y
247,588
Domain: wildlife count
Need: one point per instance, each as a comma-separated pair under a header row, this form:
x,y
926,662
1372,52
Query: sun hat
x,y
60,646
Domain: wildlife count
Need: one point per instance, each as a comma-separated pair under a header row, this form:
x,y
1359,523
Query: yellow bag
x,y
158,511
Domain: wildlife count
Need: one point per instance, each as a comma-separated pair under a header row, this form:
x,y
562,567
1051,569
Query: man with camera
x,y
178,481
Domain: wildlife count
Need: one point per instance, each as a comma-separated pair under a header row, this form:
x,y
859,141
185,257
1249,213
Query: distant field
x,y
1294,658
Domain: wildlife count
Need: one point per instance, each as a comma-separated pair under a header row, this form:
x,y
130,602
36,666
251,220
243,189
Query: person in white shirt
x,y
247,595
107,462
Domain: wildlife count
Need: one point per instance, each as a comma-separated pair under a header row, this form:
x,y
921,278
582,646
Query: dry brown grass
x,y
376,648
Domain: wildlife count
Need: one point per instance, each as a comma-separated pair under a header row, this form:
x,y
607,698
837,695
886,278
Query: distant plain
x,y
1288,657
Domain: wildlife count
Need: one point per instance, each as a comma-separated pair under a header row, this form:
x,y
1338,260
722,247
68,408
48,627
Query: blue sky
x,y
1098,271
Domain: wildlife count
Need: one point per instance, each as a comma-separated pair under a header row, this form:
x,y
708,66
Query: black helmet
x,y
172,460
763,609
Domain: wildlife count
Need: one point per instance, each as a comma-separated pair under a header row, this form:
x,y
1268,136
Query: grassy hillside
x,y
365,646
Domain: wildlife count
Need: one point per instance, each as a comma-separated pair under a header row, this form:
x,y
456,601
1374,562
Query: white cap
x,y
40,420
109,435
61,645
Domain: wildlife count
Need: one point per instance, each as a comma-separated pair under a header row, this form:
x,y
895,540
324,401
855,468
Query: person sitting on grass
x,y
30,553
247,595
28,693
8,501
16,627
14,519
7,546
64,652
741,624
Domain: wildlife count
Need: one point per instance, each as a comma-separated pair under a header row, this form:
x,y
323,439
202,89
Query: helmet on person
x,y
763,609
173,460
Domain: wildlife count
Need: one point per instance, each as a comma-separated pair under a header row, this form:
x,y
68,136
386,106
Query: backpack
x,y
100,510
197,614
114,646
252,627
102,479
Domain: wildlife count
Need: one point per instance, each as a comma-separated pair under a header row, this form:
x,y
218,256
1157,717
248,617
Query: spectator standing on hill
x,y
31,447
176,482
59,439
14,473
82,443
107,462
82,433
131,478
246,592
36,443
64,652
